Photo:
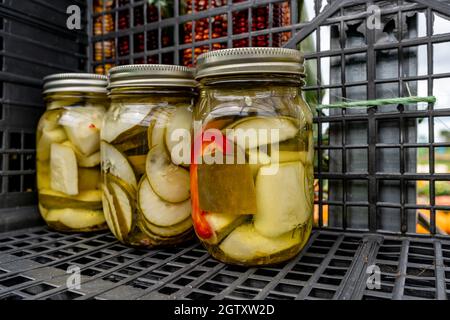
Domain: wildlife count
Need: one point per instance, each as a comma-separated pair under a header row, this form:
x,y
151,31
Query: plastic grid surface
x,y
34,264
34,43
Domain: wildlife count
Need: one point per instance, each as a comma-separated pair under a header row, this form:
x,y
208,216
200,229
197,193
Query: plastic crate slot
x,y
199,296
299,267
243,293
196,273
137,252
329,281
5,248
421,260
90,272
288,288
386,268
21,244
255,283
113,248
212,287
38,289
340,263
276,296
298,276
169,268
335,272
388,257
345,253
83,260
12,297
144,264
113,278
120,259
105,265
183,281
154,276
311,260
59,254
14,281
210,264
223,278
42,260
76,249
319,250
140,284
421,251
4,240
420,283
419,293
321,293
266,273
66,295
420,272
184,260
99,254
168,290
21,253
129,271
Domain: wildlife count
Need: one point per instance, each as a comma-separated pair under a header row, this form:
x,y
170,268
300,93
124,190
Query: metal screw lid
x,y
75,82
250,61
151,75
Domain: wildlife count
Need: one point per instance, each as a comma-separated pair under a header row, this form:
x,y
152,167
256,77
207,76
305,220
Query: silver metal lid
x,y
75,82
250,61
151,75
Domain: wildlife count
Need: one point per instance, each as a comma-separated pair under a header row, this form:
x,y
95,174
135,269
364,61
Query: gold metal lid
x,y
151,75
75,82
250,61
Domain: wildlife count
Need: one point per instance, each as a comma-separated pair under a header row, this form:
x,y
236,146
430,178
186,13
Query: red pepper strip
x,y
201,225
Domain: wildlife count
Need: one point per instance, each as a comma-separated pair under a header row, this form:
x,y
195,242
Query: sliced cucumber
x,y
120,123
108,215
245,244
123,207
63,170
172,231
132,142
48,137
222,224
83,161
179,127
116,164
83,126
257,159
76,219
160,119
255,132
282,199
158,211
89,199
43,175
138,163
170,183
88,179
108,207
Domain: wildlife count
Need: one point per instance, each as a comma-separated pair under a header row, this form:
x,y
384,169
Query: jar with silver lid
x,y
252,171
146,187
68,152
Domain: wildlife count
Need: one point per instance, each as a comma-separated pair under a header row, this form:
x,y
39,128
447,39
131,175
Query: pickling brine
x,y
252,176
146,185
68,152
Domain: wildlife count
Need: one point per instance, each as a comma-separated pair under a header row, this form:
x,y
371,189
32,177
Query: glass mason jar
x,y
146,182
252,176
68,152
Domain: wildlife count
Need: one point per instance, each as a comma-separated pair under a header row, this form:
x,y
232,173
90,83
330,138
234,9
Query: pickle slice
x,y
90,199
76,219
136,141
160,121
123,206
227,188
88,179
83,126
48,137
282,199
257,159
172,231
110,220
108,203
43,175
116,164
63,169
83,161
222,224
120,122
179,128
254,132
169,182
245,244
158,211
138,163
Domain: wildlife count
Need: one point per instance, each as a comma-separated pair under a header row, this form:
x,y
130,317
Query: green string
x,y
377,102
